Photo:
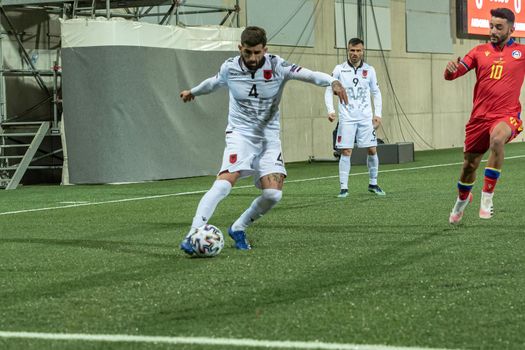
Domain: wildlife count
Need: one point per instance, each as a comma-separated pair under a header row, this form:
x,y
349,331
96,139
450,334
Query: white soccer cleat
x,y
455,218
459,208
486,208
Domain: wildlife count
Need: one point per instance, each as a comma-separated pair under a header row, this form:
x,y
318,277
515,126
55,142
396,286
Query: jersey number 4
x,y
495,71
253,91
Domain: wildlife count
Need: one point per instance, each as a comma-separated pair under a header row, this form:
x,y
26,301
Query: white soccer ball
x,y
207,241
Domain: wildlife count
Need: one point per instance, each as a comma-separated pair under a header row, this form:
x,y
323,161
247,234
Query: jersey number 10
x,y
495,71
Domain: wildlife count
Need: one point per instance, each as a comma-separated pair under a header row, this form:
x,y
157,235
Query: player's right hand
x,y
331,117
452,66
340,92
186,96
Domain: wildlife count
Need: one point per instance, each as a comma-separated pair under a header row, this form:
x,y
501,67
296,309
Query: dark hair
x,y
253,36
503,13
355,41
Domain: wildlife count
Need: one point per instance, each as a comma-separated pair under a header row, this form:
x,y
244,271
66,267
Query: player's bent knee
x,y
470,167
272,195
222,187
230,177
347,152
497,141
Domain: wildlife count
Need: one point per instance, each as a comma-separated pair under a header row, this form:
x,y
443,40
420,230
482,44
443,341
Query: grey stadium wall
x,y
123,118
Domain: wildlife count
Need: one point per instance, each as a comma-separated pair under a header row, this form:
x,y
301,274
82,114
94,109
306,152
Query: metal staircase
x,y
20,138
19,143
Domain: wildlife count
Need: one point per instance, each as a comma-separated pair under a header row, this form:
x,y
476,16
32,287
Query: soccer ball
x,y
207,241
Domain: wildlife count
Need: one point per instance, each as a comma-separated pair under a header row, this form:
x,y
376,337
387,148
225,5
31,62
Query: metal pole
x,y
360,18
174,8
75,5
56,98
3,115
238,11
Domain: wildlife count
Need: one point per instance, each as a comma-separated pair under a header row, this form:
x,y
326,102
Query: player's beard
x,y
254,65
498,40
355,61
250,65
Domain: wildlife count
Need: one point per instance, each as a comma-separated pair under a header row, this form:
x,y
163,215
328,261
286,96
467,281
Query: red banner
x,y
478,15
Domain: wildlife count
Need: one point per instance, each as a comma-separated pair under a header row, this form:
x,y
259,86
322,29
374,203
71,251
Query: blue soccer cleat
x,y
376,189
239,237
186,247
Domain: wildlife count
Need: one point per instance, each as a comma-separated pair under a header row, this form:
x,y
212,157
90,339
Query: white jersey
x,y
255,95
360,83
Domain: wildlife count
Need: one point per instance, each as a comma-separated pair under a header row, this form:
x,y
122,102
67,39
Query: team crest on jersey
x,y
233,158
267,73
339,139
516,54
487,53
365,73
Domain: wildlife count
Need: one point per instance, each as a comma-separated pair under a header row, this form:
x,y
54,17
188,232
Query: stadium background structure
x,y
419,105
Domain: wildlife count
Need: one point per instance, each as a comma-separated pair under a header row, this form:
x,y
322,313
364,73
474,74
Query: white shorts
x,y
362,133
252,156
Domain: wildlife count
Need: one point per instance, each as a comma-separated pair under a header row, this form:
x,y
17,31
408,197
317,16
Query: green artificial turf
x,y
359,270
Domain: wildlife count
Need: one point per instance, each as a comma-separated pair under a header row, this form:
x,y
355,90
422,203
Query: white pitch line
x,y
109,202
74,202
234,188
203,341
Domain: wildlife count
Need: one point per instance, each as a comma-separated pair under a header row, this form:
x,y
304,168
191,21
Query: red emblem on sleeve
x,y
233,158
267,73
339,139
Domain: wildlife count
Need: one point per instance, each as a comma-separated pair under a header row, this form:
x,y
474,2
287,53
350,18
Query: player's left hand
x,y
376,122
186,96
340,92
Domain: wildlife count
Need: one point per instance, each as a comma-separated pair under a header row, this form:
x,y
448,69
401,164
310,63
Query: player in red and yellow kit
x,y
495,118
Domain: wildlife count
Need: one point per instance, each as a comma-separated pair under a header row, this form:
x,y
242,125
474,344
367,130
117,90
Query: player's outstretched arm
x,y
292,71
207,86
455,69
186,96
340,92
452,66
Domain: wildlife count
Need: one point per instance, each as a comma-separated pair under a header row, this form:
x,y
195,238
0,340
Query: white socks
x,y
208,203
460,205
486,202
220,189
345,166
344,171
373,168
260,206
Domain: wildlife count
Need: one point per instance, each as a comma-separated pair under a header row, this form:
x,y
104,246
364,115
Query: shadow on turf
x,y
113,246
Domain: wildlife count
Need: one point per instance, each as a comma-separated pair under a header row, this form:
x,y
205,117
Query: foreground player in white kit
x,y
256,81
356,123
